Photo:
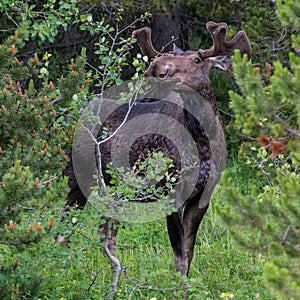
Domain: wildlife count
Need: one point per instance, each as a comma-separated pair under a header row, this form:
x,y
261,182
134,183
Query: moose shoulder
x,y
191,69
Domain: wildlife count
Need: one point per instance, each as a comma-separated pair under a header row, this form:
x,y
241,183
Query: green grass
x,y
219,265
82,271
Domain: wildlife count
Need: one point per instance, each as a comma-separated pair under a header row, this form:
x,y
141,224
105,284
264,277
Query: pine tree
x,y
34,134
267,114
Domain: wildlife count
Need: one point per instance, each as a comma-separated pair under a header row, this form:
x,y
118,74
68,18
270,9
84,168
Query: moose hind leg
x,y
192,217
176,235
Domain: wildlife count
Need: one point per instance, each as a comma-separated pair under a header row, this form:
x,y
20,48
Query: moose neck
x,y
206,91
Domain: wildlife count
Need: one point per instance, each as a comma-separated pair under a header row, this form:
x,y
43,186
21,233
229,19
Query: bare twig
x,y
25,207
131,104
49,180
113,258
285,125
12,20
56,100
283,240
94,279
145,285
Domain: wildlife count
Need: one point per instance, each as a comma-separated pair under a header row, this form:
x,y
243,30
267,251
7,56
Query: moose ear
x,y
222,62
177,50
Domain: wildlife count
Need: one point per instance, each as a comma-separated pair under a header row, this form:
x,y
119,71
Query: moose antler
x,y
218,33
143,37
221,46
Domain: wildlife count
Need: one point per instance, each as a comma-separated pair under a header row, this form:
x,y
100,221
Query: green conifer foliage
x,y
26,150
267,112
34,134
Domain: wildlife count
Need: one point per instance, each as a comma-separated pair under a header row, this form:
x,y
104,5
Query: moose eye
x,y
196,60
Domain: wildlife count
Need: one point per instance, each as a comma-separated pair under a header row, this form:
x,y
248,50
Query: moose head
x,y
193,67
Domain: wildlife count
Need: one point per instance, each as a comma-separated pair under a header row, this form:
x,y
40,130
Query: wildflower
x,y
227,295
51,85
51,223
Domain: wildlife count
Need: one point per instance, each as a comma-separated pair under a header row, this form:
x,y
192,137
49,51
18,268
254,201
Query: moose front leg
x,y
192,217
176,235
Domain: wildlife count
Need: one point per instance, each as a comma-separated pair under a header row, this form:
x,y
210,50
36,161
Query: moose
x,y
191,69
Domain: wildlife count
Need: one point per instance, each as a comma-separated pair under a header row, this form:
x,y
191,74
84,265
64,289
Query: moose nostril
x,y
163,75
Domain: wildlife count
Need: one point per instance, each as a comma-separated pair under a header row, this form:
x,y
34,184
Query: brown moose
x,y
191,68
